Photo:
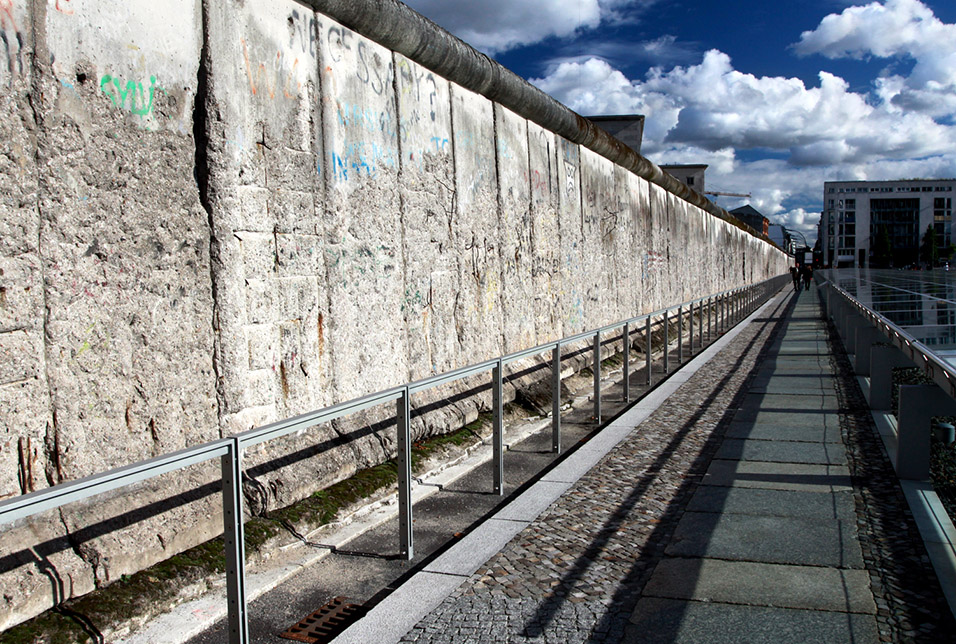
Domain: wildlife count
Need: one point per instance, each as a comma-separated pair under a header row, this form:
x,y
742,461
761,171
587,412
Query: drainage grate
x,y
326,623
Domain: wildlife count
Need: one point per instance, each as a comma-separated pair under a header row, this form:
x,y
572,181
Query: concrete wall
x,y
243,211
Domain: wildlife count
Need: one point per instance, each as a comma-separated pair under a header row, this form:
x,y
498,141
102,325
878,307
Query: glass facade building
x,y
857,213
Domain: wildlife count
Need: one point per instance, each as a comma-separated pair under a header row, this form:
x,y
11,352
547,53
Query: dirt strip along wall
x,y
215,217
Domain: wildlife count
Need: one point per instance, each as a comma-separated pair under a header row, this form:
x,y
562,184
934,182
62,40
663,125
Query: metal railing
x,y
878,345
722,311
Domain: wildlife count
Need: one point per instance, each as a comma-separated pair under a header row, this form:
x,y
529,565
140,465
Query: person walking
x,y
795,276
807,273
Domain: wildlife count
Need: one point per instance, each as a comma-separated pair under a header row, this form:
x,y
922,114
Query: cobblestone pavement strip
x,y
576,573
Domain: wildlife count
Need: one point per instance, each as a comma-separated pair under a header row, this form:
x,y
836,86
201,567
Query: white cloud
x,y
900,29
499,25
713,106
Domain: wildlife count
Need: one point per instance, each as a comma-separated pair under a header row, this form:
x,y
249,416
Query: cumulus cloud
x,y
713,106
499,25
900,29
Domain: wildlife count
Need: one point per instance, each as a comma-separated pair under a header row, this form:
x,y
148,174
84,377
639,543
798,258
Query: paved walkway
x,y
755,504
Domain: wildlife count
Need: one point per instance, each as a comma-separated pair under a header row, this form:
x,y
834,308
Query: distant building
x,y
692,175
855,212
779,235
629,129
752,217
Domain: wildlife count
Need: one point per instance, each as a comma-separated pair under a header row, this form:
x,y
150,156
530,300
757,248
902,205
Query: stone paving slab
x,y
788,386
669,621
760,584
784,540
820,504
795,364
803,367
794,380
790,402
779,476
784,419
768,432
781,451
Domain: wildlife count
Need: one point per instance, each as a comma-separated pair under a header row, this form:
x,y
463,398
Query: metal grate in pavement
x,y
326,623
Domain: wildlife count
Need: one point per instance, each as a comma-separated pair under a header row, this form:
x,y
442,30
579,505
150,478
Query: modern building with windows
x,y
856,212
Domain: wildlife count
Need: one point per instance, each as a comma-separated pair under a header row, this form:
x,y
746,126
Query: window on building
x,y
690,181
900,217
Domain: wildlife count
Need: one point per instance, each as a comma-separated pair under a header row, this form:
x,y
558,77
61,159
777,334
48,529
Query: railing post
x,y
721,313
680,334
690,336
647,349
498,444
597,376
882,361
627,362
556,399
667,333
917,405
700,325
403,415
866,337
710,319
234,538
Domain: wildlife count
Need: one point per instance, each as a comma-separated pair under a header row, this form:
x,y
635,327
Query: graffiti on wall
x,y
12,39
268,77
370,69
303,30
130,95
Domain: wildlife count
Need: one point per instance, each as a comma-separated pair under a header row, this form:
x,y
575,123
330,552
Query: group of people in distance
x,y
801,272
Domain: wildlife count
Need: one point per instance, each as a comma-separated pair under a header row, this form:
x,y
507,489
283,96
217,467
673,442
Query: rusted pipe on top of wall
x,y
397,27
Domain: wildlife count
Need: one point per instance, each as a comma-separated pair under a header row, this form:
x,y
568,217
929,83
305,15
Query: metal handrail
x,y
723,309
935,367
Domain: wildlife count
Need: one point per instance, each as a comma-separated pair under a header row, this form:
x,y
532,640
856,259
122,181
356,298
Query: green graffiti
x,y
130,95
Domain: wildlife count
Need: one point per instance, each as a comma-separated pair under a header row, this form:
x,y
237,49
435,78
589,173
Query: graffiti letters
x,y
303,30
357,160
264,81
370,70
130,95
413,78
338,42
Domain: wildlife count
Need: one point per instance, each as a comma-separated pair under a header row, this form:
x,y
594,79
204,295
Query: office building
x,y
856,212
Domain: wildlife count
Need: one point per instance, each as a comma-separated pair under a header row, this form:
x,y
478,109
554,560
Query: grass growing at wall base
x,y
156,589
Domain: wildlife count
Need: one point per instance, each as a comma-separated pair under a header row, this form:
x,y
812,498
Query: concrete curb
x,y
394,616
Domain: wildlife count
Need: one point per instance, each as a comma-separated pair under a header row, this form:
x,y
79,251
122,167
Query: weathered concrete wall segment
x,y
219,215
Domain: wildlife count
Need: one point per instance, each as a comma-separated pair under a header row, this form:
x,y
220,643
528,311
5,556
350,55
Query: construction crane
x,y
728,194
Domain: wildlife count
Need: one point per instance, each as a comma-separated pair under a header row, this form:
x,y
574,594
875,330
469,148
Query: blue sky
x,y
777,97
